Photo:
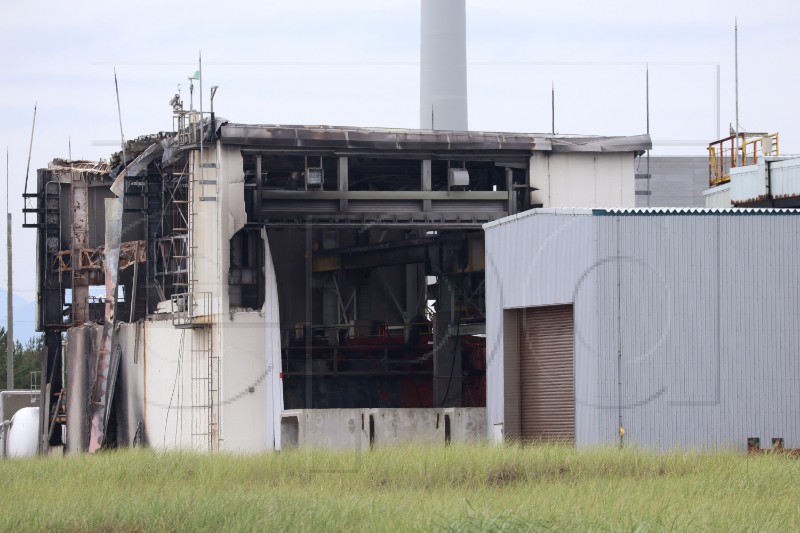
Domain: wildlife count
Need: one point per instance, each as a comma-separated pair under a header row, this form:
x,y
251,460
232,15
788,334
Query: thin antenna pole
x,y
69,141
200,81
119,115
718,110
30,147
647,105
736,74
10,295
553,107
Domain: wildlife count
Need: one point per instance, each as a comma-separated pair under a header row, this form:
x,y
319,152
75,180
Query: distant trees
x,y
27,359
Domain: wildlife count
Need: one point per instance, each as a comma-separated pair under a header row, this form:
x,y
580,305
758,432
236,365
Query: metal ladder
x,y
205,361
205,391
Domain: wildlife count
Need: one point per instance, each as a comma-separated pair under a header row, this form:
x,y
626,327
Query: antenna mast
x,y
736,71
553,106
647,103
10,295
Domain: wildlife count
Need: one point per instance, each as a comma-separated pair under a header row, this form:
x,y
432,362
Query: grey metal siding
x,y
511,394
676,181
696,315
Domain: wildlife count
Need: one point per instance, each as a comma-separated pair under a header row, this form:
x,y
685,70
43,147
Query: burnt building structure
x,y
201,282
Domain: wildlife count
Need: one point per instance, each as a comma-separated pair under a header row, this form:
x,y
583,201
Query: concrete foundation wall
x,y
358,429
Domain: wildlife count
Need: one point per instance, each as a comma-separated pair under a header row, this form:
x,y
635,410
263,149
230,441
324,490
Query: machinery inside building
x,y
374,238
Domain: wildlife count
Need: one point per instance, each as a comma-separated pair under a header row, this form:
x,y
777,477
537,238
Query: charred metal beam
x,y
377,255
130,253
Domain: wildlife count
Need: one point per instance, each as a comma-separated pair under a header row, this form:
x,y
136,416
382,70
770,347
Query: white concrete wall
x,y
352,429
158,383
577,179
244,384
165,379
329,429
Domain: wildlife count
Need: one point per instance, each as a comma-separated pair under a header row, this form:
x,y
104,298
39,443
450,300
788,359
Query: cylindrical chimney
x,y
443,65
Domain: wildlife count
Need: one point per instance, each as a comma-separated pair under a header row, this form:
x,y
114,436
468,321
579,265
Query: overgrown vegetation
x,y
27,359
455,488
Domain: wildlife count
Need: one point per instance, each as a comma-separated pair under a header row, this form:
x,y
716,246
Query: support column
x,y
343,182
447,371
540,178
512,197
426,183
80,240
259,188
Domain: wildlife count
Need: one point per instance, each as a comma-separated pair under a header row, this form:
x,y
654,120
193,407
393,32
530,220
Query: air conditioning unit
x,y
458,177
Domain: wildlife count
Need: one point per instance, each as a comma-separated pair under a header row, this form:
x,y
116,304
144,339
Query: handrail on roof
x,y
751,147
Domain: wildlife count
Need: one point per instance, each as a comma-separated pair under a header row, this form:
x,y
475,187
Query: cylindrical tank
x,y
22,437
443,65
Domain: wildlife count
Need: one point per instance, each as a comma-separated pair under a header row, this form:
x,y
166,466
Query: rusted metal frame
x,y
135,281
131,253
108,358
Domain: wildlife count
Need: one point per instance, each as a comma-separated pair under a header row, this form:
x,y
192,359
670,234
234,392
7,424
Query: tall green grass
x,y
455,488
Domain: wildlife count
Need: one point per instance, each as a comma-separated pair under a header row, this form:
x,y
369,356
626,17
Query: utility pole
x,y
10,315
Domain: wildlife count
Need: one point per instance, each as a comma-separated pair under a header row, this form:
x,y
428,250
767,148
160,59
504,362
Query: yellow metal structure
x,y
748,150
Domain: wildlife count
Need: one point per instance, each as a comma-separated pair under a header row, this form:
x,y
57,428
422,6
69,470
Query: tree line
x,y
27,359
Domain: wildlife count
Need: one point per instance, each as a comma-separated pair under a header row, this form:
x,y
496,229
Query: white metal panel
x,y
591,180
785,178
719,196
748,183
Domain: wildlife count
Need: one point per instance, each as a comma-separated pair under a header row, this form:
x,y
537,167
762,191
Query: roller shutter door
x,y
547,376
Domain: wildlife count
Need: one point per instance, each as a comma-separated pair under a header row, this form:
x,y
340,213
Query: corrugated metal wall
x,y
695,313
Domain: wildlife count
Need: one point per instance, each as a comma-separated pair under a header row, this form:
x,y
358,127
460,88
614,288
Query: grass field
x,y
457,488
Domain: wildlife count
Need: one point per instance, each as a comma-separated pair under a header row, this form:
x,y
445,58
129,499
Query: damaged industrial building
x,y
238,287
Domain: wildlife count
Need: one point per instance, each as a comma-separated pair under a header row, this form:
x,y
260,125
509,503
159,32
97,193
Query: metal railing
x,y
189,125
191,309
725,154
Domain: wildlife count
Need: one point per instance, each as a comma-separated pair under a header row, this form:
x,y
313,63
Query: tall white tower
x,y
443,65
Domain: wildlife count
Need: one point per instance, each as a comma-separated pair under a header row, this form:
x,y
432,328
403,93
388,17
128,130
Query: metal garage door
x,y
547,376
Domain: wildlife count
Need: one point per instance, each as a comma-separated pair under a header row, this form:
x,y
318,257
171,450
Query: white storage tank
x,y
22,433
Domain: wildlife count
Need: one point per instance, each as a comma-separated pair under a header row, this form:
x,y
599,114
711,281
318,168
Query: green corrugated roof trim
x,y
694,211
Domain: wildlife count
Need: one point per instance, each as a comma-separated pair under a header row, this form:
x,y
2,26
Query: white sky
x,y
355,62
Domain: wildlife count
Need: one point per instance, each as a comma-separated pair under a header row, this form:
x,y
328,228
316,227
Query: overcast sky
x,y
356,62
